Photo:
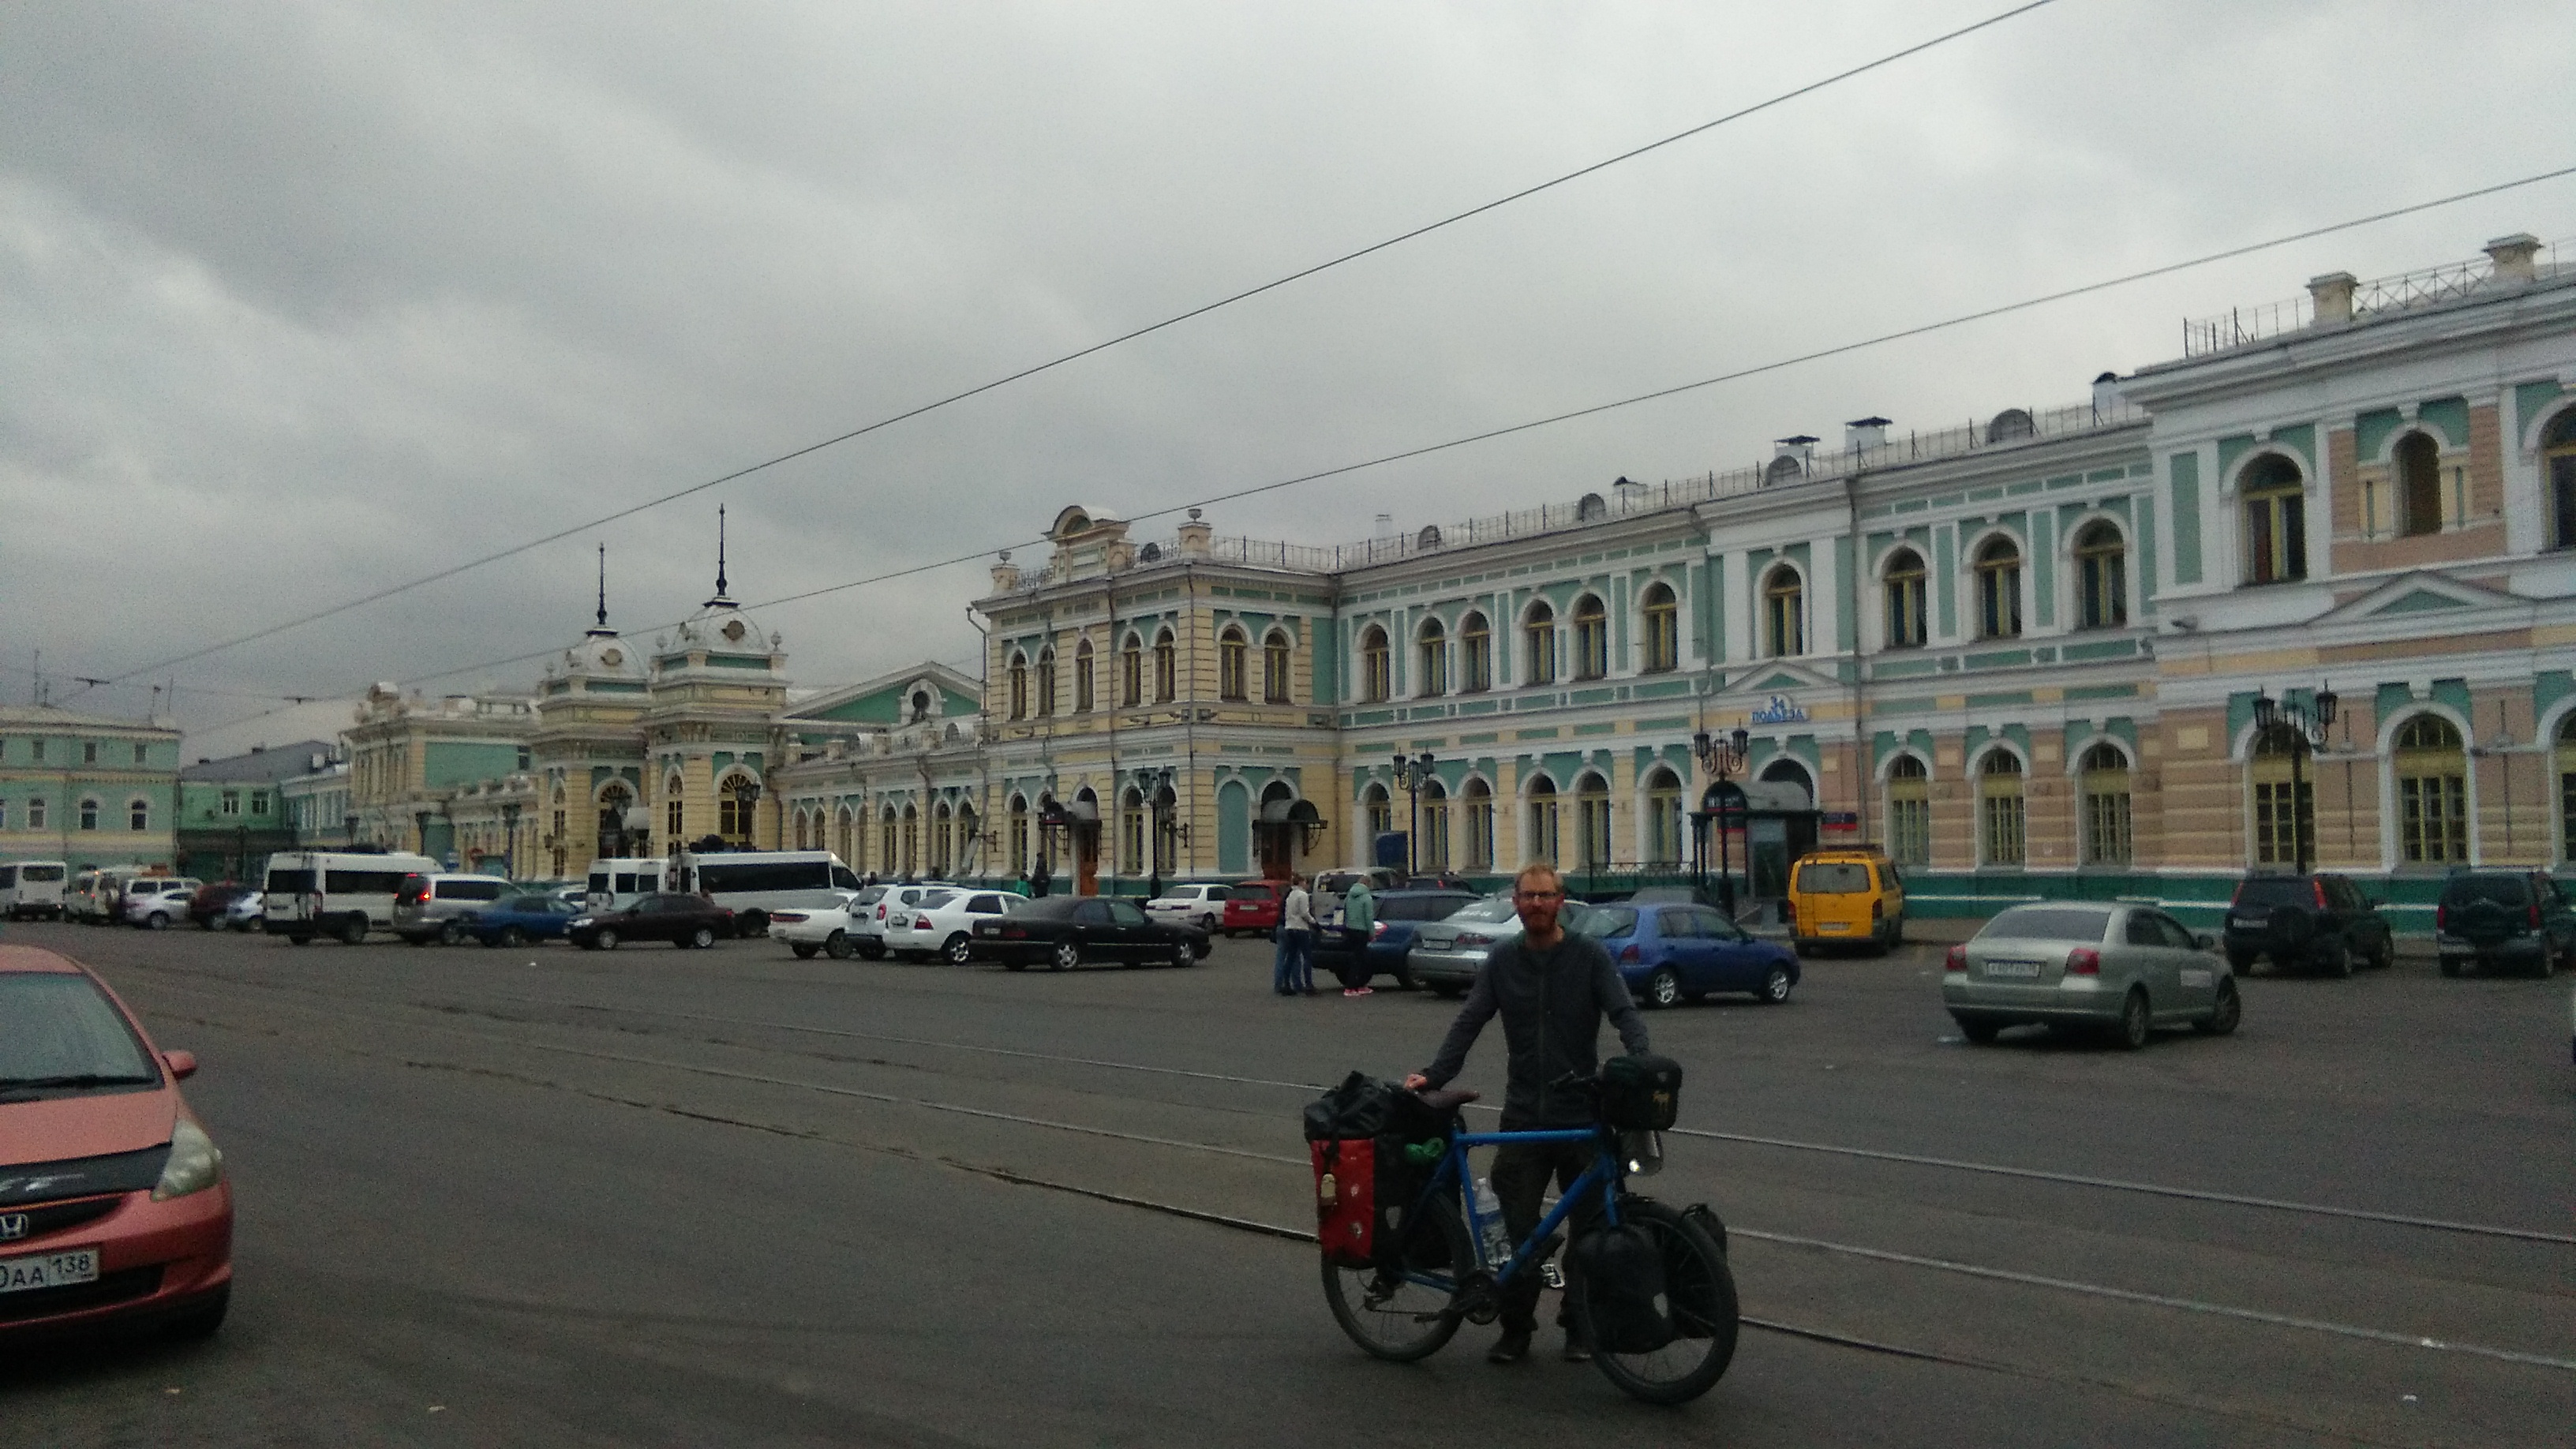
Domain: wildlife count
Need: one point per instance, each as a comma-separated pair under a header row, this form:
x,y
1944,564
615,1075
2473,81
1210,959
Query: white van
x,y
752,883
96,895
618,883
311,893
33,888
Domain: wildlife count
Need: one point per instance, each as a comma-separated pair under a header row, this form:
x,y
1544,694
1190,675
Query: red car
x,y
113,1206
1253,908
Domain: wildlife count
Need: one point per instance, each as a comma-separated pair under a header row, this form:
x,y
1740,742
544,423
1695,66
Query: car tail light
x,y
1956,960
880,910
1377,930
921,923
2083,961
1630,955
1789,913
2320,888
2238,895
2441,918
1877,908
1471,938
1015,933
2535,915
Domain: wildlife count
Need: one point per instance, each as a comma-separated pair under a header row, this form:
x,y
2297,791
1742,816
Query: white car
x,y
244,914
942,923
1200,904
867,932
819,928
154,904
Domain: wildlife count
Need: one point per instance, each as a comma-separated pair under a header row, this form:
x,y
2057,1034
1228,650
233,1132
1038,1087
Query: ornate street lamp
x,y
1413,773
1159,803
1722,755
2301,733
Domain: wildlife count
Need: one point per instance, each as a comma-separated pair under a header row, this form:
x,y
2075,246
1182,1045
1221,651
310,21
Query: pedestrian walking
x,y
1359,921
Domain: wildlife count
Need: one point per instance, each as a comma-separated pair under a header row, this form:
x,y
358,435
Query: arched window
x,y
799,822
1909,811
890,843
1591,638
969,847
1433,851
674,815
1431,649
2276,524
1019,676
1541,842
1167,678
1377,670
1478,802
1131,672
2431,766
1999,590
2419,484
1131,832
1277,656
2101,577
1380,808
1784,613
1663,818
1663,633
2558,459
2102,779
138,814
910,845
1592,816
1907,627
733,815
1538,645
2281,822
1084,700
1233,664
943,844
1475,654
845,833
1019,834
2566,786
2000,818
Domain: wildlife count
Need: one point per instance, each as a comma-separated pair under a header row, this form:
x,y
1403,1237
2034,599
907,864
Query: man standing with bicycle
x,y
1551,989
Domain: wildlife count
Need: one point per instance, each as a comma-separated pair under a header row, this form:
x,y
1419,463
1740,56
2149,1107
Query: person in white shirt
x,y
1292,970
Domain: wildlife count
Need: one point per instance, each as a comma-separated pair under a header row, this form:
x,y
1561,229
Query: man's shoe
x,y
1577,1350
1512,1347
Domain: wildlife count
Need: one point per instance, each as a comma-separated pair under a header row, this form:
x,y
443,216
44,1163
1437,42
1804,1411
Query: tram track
x,y
1855,1252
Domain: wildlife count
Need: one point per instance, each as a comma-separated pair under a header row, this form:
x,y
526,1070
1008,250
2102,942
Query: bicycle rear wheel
x,y
1701,1294
1404,1316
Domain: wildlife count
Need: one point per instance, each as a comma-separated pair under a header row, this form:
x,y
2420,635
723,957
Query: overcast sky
x,y
299,299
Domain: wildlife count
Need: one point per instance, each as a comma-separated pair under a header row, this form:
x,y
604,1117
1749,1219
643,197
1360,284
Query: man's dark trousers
x,y
1520,1175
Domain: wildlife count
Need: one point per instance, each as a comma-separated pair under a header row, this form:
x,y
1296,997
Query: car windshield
x,y
1608,921
1499,908
2048,923
2277,890
60,1029
1833,878
2503,890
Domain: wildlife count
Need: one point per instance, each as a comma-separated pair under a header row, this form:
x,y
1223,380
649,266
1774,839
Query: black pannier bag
x,y
1620,1272
1365,1180
1641,1093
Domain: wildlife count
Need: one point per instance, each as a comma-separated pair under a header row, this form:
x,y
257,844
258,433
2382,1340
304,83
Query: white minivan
x,y
615,884
344,894
33,888
752,883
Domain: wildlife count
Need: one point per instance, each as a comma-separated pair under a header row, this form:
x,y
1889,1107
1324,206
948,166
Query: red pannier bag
x,y
1346,1199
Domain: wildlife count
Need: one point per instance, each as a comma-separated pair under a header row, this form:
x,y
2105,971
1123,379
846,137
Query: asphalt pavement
x,y
676,1197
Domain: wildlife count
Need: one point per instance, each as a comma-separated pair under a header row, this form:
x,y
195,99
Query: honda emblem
x,y
13,1226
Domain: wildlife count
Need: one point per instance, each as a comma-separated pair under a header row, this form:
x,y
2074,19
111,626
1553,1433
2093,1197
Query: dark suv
x,y
2496,919
2320,922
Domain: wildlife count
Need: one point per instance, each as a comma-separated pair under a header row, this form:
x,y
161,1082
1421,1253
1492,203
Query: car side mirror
x,y
183,1065
2205,941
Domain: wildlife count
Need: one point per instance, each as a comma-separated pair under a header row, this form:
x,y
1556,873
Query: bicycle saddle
x,y
1446,1099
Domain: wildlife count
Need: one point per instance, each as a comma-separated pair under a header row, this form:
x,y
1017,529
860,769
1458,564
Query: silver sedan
x,y
2121,967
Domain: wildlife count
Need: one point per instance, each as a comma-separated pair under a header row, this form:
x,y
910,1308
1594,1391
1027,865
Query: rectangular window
x,y
2003,829
141,754
36,751
232,802
1909,831
89,752
259,802
2433,819
2106,829
35,815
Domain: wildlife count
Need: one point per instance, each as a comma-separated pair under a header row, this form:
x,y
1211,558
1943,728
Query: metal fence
x,y
2238,326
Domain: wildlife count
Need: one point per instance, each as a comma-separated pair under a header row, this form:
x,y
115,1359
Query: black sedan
x,y
680,920
1066,931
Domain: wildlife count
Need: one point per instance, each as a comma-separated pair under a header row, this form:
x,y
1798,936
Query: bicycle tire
x,y
1695,1272
1415,1321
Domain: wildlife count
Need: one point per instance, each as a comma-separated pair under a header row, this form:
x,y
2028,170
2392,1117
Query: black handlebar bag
x,y
1641,1093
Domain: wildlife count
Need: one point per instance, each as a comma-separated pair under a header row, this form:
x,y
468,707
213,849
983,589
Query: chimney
x,y
1006,575
2514,257
1801,447
1385,526
1195,536
1862,433
2332,296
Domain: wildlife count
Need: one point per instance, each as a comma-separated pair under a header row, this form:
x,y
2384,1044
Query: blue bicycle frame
x,y
1601,1178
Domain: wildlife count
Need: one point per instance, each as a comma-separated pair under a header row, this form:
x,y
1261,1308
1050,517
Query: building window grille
x,y
2103,778
1909,812
2000,809
2101,578
1663,621
1999,590
1233,664
2432,792
2276,528
1377,669
1591,638
1784,613
1538,646
1906,626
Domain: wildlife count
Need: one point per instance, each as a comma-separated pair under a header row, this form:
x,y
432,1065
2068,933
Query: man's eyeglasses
x,y
1540,895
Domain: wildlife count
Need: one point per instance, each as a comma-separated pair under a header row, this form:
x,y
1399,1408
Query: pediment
x,y
2422,592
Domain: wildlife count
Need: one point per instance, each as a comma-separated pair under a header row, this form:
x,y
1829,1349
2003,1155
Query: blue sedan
x,y
1674,953
517,920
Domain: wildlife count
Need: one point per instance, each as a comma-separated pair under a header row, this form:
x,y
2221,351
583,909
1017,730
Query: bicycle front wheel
x,y
1401,1314
1701,1295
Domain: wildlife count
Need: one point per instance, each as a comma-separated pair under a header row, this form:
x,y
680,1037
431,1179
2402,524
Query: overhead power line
x,y
1077,355
1596,409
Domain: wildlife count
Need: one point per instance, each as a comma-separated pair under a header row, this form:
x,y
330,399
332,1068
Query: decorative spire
x,y
720,598
601,630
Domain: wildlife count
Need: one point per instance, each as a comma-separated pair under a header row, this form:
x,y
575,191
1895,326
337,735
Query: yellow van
x,y
1845,898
